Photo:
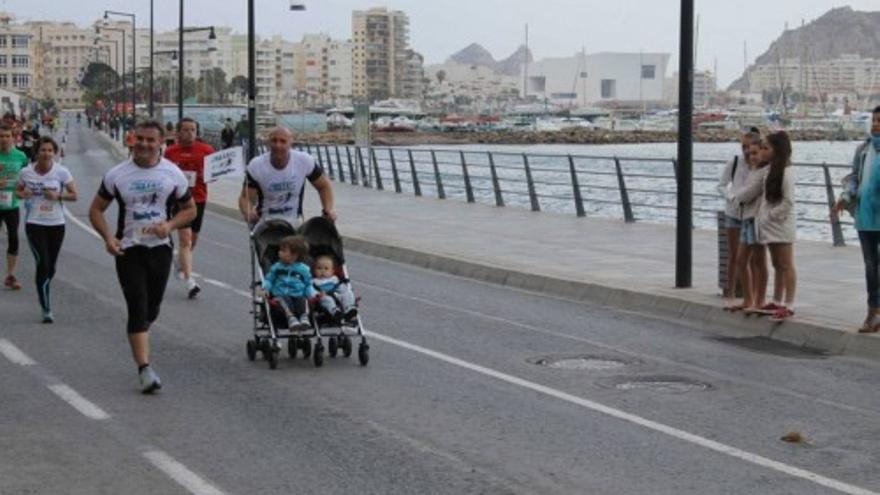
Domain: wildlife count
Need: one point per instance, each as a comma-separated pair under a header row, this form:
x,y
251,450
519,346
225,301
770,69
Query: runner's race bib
x,y
190,177
6,199
46,210
142,233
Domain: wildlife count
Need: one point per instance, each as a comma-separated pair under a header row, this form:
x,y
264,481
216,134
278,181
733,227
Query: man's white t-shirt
x,y
145,196
37,209
280,191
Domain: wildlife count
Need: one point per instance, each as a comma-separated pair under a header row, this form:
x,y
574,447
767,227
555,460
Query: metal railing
x,y
634,189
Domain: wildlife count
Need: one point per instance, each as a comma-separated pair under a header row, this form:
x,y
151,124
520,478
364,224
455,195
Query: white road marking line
x,y
80,403
600,408
83,225
637,420
15,354
194,483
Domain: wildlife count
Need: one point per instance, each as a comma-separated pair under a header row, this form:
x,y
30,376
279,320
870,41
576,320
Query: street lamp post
x,y
212,39
107,13
684,221
174,62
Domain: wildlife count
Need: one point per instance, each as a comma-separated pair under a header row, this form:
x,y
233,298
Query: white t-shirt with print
x,y
145,195
279,191
37,209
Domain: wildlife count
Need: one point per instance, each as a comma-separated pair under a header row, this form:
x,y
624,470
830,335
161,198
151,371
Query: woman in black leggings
x,y
44,185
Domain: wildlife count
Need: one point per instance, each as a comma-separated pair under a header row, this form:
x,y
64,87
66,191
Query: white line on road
x,y
638,420
194,483
15,354
83,225
80,403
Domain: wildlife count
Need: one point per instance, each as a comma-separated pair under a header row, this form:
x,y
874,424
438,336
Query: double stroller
x,y
270,320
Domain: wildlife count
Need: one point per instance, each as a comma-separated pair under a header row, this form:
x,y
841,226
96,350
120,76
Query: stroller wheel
x,y
265,346
319,354
306,347
332,347
346,346
363,353
251,349
291,347
272,357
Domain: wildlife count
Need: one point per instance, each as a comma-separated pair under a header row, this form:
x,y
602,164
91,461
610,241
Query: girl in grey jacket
x,y
776,221
751,257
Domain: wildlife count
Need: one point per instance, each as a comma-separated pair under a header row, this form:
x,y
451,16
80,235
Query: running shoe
x,y
782,314
193,288
149,380
12,283
47,317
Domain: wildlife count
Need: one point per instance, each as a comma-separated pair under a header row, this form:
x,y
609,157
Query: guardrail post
x,y
441,194
394,170
576,189
496,186
417,189
321,161
624,195
836,230
351,169
308,148
360,158
339,163
329,160
376,169
468,190
533,195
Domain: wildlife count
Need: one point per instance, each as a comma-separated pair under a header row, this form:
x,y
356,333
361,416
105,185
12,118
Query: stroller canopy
x,y
323,239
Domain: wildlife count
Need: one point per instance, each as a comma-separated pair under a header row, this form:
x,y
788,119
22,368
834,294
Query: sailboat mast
x,y
526,66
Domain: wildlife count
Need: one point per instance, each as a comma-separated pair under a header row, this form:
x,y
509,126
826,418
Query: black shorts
x,y
143,275
196,224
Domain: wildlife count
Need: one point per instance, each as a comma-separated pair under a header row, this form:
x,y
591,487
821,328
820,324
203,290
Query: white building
x,y
705,86
323,70
63,51
607,79
18,57
383,66
197,57
846,75
480,85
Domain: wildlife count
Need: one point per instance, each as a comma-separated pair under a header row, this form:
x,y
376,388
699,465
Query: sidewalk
x,y
606,261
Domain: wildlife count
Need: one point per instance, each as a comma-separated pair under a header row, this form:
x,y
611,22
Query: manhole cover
x,y
579,362
774,347
664,383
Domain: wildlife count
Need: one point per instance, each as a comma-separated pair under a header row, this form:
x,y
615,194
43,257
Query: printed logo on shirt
x,y
147,215
146,186
282,186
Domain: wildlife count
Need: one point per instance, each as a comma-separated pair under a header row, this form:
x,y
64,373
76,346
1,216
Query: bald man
x,y
275,182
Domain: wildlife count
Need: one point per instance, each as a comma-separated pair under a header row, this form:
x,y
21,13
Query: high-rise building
x,y
323,70
63,51
382,64
18,57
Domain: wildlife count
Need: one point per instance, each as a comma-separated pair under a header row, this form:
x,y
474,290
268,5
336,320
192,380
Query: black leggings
x,y
143,274
11,219
45,242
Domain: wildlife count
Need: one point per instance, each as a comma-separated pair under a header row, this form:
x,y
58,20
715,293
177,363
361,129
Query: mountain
x,y
510,66
840,31
475,54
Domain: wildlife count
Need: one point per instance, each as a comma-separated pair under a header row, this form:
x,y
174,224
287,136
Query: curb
x,y
707,317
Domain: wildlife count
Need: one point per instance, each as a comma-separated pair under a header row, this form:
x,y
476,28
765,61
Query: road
x,y
460,396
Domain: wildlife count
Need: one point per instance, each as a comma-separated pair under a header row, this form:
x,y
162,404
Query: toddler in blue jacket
x,y
290,281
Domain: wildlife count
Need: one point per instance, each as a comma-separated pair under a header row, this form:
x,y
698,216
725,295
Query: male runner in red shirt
x,y
189,154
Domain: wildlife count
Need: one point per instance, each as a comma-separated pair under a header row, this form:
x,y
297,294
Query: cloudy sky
x,y
439,28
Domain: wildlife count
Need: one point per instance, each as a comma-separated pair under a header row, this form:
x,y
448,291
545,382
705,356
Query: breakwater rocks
x,y
574,136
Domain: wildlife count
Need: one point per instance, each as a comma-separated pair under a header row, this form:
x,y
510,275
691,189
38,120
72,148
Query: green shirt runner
x,y
10,167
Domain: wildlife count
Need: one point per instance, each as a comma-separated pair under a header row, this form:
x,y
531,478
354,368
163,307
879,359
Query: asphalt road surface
x,y
471,388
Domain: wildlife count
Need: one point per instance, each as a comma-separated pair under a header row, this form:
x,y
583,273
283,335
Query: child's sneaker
x,y
351,314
